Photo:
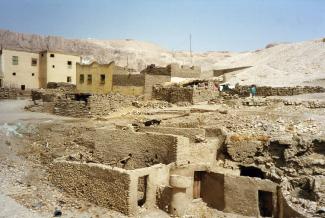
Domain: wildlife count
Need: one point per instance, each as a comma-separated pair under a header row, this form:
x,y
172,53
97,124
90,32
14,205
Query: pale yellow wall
x,y
23,70
61,70
129,90
95,70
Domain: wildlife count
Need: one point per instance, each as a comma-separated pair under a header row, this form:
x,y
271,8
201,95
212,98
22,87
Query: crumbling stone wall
x,y
101,105
243,91
151,80
175,94
71,108
8,93
100,184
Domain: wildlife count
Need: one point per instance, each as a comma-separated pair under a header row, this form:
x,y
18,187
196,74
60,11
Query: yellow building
x,y
19,69
95,78
57,67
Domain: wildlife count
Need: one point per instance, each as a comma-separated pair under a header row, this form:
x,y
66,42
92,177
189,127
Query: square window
x,y
69,79
102,79
89,79
33,74
53,66
69,62
81,79
52,55
14,60
34,61
14,74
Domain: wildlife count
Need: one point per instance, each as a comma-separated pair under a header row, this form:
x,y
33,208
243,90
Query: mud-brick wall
x,y
144,149
173,94
101,105
190,133
277,91
8,93
201,95
96,183
241,195
71,108
151,80
185,71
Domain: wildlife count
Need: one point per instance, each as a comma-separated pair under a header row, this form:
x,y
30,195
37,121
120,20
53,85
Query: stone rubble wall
x,y
71,108
201,95
8,93
307,104
100,184
243,91
101,105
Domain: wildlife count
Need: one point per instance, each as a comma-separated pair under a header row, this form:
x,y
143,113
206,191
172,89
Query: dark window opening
x,y
142,190
0,83
69,64
34,62
89,79
52,55
69,79
82,97
198,177
33,74
53,66
102,79
22,87
265,203
14,74
42,55
81,78
251,172
14,60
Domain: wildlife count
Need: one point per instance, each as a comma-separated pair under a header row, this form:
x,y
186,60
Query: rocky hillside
x,y
276,65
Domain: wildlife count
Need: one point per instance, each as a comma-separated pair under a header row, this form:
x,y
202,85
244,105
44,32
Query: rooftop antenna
x,y
191,48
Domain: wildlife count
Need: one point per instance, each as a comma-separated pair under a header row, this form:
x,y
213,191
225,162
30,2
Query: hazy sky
x,y
215,24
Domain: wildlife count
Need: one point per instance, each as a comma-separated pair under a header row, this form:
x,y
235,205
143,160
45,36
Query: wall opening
x,y
198,177
251,172
212,190
142,190
0,83
22,87
265,203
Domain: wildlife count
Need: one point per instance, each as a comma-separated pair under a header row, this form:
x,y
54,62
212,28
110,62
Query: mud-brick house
x,y
19,69
57,67
95,78
128,84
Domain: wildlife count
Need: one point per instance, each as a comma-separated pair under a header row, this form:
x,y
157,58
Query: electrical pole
x,y
191,48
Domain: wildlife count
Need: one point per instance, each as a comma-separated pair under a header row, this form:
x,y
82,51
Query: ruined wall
x,y
277,91
172,94
8,93
71,108
105,104
151,80
97,183
144,149
241,194
190,133
201,95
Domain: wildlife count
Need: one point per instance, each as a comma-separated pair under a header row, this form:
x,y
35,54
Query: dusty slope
x,y
280,65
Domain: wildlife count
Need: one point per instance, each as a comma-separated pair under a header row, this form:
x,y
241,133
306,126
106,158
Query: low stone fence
x,y
8,93
243,91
